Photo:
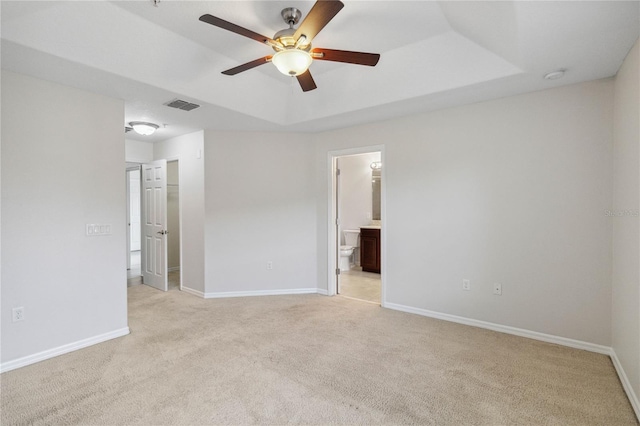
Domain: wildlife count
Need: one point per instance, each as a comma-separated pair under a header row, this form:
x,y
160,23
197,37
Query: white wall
x,y
626,233
260,207
173,215
356,190
511,191
188,150
63,166
138,151
134,210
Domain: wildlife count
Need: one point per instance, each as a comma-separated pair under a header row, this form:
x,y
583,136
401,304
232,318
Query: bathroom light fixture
x,y
376,165
292,61
143,128
554,75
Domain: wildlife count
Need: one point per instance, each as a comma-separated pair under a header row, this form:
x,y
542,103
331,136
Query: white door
x,y
154,226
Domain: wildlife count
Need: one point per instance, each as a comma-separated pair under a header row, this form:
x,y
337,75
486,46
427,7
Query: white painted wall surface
x,y
260,207
134,210
356,190
511,191
626,232
187,149
63,166
138,151
173,215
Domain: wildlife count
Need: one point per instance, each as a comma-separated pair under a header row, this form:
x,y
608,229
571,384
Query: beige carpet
x,y
310,359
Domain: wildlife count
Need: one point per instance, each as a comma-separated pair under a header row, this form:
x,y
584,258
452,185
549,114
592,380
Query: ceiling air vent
x,y
180,104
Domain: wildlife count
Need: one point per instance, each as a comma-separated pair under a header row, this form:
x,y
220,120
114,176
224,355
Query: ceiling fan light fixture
x,y
144,128
292,62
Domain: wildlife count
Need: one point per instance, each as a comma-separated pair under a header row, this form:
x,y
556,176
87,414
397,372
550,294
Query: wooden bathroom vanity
x,y
370,249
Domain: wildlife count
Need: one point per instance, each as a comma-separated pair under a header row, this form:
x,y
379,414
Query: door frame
x,y
129,170
332,247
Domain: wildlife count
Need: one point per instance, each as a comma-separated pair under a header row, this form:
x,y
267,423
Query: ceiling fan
x,y
294,53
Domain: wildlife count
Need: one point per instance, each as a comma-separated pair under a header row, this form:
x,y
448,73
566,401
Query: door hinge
x,y
337,172
337,271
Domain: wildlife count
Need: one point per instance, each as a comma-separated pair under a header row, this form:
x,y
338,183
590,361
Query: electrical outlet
x,y
497,289
18,314
466,285
269,265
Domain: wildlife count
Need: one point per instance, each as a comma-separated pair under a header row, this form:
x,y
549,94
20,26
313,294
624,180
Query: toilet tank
x,y
351,237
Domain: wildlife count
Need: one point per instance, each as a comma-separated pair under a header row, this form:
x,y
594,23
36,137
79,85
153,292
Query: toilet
x,y
351,237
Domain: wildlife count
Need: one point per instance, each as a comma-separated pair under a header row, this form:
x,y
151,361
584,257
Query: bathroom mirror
x,y
376,181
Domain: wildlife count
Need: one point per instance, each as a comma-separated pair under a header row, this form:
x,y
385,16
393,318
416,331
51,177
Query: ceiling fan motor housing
x,y
285,38
291,16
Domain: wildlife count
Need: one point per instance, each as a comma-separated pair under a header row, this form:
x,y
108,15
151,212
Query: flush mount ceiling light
x,y
143,128
554,75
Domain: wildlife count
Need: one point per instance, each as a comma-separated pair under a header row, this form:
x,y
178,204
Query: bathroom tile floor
x,y
360,285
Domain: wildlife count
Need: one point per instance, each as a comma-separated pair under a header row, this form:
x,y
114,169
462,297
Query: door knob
x,y
163,232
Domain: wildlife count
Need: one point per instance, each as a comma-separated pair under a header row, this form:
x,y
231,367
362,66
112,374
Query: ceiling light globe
x,y
143,128
292,62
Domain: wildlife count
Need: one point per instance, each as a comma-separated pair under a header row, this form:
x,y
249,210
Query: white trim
x,y
564,341
192,291
61,350
223,294
626,384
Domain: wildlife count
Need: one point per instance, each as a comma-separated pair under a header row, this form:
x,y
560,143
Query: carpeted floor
x,y
310,359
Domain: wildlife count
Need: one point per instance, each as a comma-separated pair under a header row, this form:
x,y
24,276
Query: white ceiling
x,y
434,54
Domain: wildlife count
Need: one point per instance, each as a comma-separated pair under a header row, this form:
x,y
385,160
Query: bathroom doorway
x,y
356,232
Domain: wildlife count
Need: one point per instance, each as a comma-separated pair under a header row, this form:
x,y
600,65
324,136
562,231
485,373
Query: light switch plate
x,y
98,229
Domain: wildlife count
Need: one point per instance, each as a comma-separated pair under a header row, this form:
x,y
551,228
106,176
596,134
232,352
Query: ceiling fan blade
x,y
247,66
221,23
320,14
306,81
359,58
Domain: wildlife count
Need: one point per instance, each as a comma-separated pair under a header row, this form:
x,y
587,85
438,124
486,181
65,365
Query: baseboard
x,y
192,291
134,281
549,338
223,294
626,384
60,350
322,291
220,295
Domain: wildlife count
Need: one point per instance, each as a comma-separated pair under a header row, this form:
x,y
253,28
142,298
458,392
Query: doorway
x,y
356,237
169,266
